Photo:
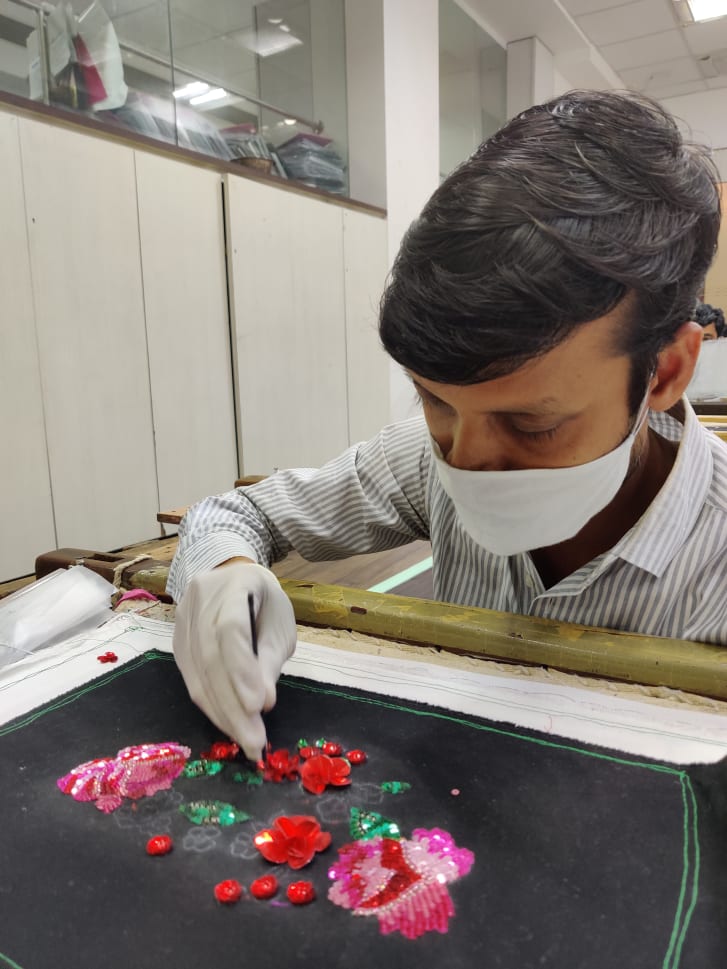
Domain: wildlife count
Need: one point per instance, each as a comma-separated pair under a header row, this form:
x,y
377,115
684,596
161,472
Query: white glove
x,y
213,648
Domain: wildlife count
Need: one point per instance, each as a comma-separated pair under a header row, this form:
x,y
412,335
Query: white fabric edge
x,y
678,735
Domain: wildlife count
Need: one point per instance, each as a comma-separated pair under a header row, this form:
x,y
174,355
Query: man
x,y
541,306
711,319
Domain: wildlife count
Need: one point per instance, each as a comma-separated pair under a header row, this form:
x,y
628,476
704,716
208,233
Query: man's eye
x,y
545,435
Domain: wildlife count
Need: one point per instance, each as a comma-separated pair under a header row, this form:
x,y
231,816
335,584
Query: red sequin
x,y
332,749
356,757
228,891
300,893
293,840
108,657
221,750
160,844
320,771
278,765
264,887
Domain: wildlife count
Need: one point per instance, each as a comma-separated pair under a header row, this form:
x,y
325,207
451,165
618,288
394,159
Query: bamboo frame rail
x,y
650,660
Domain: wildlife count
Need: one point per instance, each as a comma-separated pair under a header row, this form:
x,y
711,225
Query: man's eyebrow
x,y
545,407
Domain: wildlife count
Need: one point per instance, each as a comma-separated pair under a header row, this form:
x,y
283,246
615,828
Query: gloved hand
x,y
213,648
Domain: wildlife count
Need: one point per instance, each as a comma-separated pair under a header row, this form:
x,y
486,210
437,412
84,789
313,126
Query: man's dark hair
x,y
706,314
571,206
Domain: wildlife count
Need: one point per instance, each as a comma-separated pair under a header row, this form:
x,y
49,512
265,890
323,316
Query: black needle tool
x,y
253,626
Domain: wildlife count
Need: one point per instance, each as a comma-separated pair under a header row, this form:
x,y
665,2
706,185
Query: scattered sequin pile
x,y
402,881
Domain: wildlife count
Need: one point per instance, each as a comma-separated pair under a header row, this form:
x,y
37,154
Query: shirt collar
x,y
662,530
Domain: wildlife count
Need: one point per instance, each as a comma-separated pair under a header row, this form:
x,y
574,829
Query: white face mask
x,y
508,512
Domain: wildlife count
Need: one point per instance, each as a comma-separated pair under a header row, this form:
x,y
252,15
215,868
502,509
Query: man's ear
x,y
675,367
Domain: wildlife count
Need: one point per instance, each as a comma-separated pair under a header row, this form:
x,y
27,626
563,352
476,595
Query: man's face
x,y
709,332
567,407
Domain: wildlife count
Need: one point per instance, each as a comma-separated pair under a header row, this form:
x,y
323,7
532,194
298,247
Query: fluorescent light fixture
x,y
191,90
289,121
216,94
707,9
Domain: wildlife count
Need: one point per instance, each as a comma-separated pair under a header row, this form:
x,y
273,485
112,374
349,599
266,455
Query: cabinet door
x,y
185,296
366,264
83,228
26,513
286,277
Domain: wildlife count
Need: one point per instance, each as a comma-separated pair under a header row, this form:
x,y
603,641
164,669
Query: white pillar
x,y
411,84
531,75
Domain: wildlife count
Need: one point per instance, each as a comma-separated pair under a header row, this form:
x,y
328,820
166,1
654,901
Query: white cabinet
x,y
305,280
123,386
185,296
288,326
26,513
80,198
365,267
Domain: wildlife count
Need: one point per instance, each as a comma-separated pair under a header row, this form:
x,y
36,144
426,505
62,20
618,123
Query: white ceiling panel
x,y
627,22
716,82
577,7
705,38
645,50
664,73
218,59
675,90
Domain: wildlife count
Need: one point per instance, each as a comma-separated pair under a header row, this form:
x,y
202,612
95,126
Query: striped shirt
x,y
667,576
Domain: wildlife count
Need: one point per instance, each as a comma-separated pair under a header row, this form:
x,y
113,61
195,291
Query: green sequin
x,y
249,777
302,743
321,741
395,787
202,768
213,812
369,824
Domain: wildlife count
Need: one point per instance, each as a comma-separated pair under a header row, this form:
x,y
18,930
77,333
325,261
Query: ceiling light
x,y
275,20
216,94
289,121
285,27
707,9
191,90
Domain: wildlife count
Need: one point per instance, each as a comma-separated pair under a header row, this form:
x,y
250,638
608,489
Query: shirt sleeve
x,y
372,497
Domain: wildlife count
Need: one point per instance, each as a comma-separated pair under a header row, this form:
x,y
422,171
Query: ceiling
x,y
638,44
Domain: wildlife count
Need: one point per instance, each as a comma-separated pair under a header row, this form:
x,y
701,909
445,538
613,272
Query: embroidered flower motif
x,y
278,766
292,840
135,772
403,883
319,771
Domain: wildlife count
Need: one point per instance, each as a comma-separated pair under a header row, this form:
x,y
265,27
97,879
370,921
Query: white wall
x,y
365,101
703,117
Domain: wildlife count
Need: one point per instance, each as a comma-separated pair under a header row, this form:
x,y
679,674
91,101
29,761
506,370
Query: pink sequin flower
x,y
135,772
403,883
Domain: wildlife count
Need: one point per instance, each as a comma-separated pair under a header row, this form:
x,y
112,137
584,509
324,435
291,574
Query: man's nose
x,y
477,447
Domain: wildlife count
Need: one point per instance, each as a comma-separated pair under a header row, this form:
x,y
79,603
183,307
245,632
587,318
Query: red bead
x,y
160,844
306,752
108,657
356,757
332,749
300,893
228,891
264,887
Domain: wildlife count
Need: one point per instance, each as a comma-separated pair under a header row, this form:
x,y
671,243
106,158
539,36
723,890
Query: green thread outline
x,y
691,857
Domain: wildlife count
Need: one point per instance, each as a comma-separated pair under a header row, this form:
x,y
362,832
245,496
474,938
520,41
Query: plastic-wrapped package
x,y
314,160
59,606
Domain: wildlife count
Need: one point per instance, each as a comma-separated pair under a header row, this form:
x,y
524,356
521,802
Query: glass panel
x,y
472,78
230,78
